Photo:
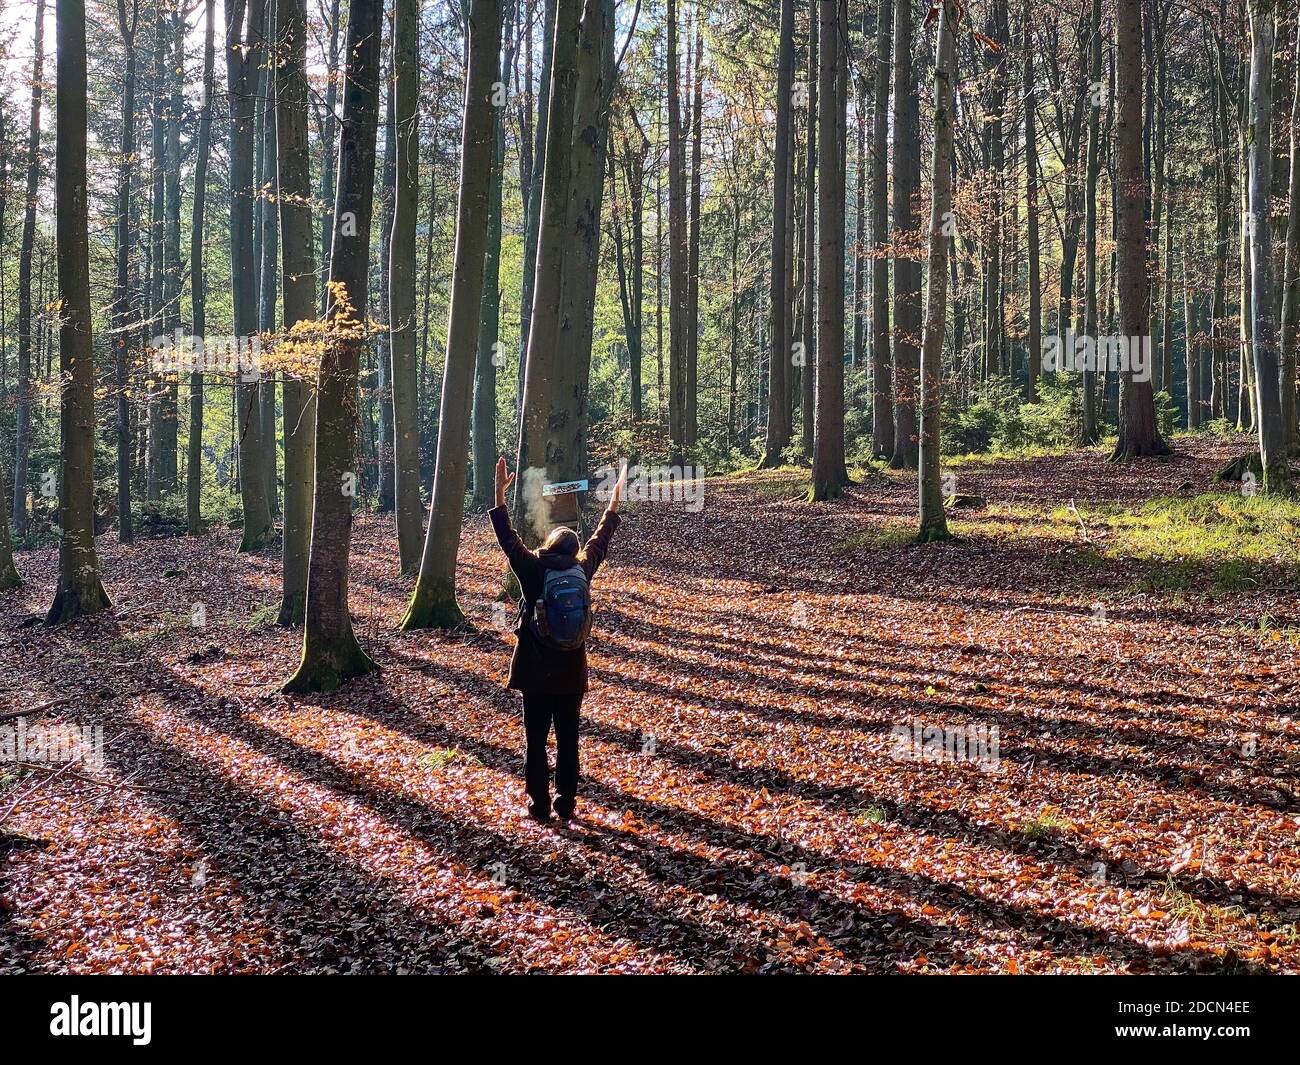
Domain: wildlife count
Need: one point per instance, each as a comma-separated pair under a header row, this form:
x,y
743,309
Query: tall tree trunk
x,y
124,307
433,602
882,377
567,442
79,590
779,368
1035,338
1291,269
1191,357
293,174
1138,432
678,243
401,284
994,326
907,269
1269,420
536,185
268,219
245,26
860,216
330,652
692,322
23,413
169,386
828,470
329,157
552,240
808,366
483,430
933,523
1090,432
383,347
198,282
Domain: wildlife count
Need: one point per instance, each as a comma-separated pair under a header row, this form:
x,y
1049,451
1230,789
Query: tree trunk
x,y
1035,338
828,471
536,185
1272,428
808,365
383,347
198,283
23,396
244,50
1138,433
434,600
692,321
552,240
882,377
329,158
1291,271
907,269
330,652
483,431
124,306
268,267
401,285
79,590
297,238
169,397
1089,432
933,523
778,410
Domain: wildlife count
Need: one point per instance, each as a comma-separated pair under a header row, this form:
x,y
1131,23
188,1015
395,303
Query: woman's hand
x,y
618,489
504,481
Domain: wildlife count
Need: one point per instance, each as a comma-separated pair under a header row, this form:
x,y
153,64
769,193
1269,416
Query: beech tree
x,y
907,269
779,368
1138,434
293,165
245,30
433,603
330,652
828,473
80,590
401,283
933,523
23,398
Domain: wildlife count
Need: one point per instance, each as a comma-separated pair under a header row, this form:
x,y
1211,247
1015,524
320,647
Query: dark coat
x,y
534,667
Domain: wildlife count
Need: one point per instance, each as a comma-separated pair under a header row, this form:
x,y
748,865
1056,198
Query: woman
x,y
552,680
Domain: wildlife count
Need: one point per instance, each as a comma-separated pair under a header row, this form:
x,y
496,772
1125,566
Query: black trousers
x,y
540,712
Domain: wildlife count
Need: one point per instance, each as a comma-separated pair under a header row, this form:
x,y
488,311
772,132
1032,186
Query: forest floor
x,y
747,803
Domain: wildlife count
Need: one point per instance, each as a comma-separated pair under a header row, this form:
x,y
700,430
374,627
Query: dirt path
x,y
750,804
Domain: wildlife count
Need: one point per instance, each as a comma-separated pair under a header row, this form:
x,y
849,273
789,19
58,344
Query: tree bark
x,y
933,523
401,285
330,652
79,590
297,239
1273,449
882,376
779,368
245,25
907,269
1138,432
433,603
828,472
23,391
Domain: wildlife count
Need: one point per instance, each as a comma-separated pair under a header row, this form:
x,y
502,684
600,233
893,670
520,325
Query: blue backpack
x,y
561,618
